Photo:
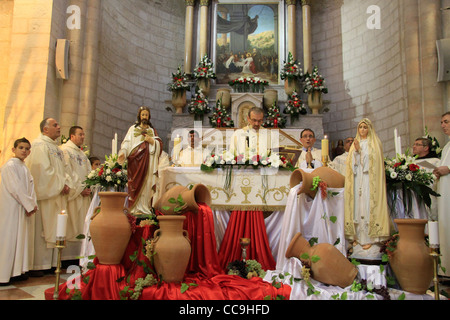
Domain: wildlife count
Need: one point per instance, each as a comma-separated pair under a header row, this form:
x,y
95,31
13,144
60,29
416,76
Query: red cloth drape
x,y
204,257
204,268
137,171
246,224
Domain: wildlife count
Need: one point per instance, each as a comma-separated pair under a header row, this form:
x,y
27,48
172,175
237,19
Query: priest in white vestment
x,y
142,149
51,181
443,173
252,139
79,166
17,207
310,158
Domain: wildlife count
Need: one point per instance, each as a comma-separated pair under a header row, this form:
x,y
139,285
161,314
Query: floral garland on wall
x,y
248,84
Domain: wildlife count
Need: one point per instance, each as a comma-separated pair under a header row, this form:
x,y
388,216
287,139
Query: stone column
x,y
425,104
430,31
88,90
291,27
203,27
71,87
306,13
188,36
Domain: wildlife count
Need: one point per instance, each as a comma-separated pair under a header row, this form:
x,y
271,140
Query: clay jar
x,y
333,179
199,193
110,229
332,268
172,248
411,260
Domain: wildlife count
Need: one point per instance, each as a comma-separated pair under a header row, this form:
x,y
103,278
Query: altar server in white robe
x,y
79,166
443,174
17,207
192,155
310,158
51,181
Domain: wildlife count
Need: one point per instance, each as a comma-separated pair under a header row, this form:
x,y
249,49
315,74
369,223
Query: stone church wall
x,y
364,68
142,43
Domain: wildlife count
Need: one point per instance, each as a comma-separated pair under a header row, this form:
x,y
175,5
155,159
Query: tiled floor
x,y
31,289
34,288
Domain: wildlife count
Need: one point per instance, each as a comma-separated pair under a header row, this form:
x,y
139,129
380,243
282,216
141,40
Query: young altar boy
x,y
17,205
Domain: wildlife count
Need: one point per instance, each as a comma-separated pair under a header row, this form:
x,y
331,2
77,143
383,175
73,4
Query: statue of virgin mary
x,y
367,221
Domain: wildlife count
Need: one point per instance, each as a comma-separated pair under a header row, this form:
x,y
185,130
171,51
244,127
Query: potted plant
x,y
314,87
274,118
295,107
198,106
292,74
203,72
407,181
178,86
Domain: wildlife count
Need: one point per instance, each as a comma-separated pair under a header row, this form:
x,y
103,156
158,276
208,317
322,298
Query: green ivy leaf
x,y
402,296
333,219
315,258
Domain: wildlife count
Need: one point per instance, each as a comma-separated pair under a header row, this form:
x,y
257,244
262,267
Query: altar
x,y
264,189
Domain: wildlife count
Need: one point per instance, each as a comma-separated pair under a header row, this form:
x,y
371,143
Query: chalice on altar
x,y
244,242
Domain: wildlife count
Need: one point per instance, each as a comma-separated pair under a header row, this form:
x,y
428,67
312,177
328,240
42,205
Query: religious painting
x,y
247,40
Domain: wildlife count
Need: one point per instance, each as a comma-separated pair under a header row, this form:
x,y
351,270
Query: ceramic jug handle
x,y
96,212
186,235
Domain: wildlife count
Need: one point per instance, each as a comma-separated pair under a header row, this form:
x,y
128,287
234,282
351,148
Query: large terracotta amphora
x,y
332,178
411,260
172,248
110,230
332,267
168,204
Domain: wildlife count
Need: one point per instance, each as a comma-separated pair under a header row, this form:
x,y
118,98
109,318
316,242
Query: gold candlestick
x,y
435,255
244,242
60,244
325,159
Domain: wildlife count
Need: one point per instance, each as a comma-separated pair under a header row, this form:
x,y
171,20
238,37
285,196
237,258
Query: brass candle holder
x,y
244,242
435,255
325,159
60,245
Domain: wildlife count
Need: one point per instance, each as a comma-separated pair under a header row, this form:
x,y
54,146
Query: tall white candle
x,y
61,224
176,147
115,143
396,141
433,233
399,145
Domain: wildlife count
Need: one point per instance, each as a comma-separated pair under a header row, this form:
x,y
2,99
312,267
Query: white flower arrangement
x,y
110,175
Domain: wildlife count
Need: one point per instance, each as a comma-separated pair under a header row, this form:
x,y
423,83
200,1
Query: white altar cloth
x,y
263,189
